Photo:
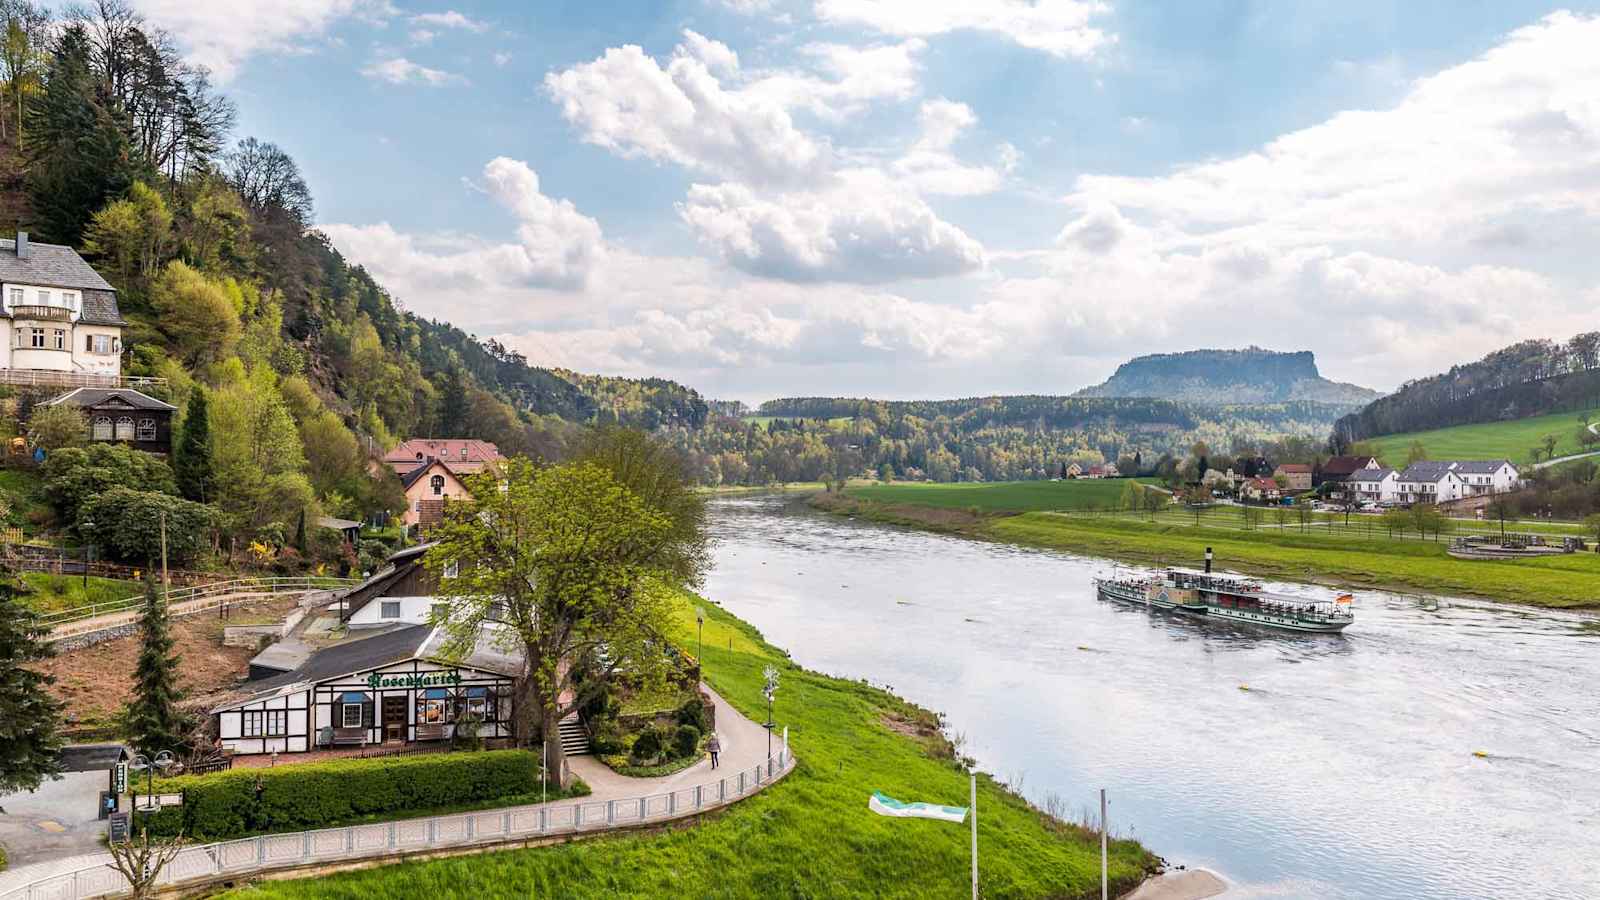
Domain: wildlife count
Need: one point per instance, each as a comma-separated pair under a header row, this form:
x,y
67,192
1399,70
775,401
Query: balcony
x,y
42,313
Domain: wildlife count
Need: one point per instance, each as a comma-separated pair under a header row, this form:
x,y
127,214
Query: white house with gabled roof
x,y
57,315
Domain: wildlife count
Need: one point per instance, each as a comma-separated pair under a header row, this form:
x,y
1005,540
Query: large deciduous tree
x,y
29,742
579,561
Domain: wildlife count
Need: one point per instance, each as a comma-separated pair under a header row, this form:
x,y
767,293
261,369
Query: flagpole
x,y
1103,895
974,837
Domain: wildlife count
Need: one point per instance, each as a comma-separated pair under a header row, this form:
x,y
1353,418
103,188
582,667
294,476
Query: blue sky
x,y
921,199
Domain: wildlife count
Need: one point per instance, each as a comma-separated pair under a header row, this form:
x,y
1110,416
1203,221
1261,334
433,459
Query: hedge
x,y
303,796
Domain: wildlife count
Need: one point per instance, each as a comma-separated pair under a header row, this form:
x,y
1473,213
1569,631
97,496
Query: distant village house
x,y
1296,476
59,321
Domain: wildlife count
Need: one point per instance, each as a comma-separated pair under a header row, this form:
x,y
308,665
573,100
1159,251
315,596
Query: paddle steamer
x,y
1229,598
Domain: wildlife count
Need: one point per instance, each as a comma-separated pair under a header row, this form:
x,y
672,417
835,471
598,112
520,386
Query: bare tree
x,y
268,180
142,861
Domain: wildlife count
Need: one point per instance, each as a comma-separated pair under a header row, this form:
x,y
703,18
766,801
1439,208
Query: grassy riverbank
x,y
1002,496
810,835
1566,581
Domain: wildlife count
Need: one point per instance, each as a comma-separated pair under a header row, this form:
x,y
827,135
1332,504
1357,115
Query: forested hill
x,y
1252,375
1525,379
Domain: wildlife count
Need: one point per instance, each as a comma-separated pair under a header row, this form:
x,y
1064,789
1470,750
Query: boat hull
x,y
1156,597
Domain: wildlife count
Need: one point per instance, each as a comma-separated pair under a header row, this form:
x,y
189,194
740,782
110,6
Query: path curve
x,y
1594,429
617,802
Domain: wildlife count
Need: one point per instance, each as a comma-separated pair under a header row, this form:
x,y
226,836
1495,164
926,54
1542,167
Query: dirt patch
x,y
935,518
95,681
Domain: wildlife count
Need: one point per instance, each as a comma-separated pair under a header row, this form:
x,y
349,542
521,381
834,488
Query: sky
x,y
941,198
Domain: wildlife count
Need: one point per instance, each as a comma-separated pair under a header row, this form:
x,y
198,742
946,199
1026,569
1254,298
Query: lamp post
x,y
164,760
700,639
84,529
769,689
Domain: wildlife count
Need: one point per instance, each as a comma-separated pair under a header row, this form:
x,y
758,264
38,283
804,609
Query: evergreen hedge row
x,y
303,796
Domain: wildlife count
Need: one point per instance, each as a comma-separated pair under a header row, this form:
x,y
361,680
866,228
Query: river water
x,y
1293,765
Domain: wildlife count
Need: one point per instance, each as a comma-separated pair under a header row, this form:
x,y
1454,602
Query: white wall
x,y
230,726
413,611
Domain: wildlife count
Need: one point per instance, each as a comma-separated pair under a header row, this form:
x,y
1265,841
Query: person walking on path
x,y
714,747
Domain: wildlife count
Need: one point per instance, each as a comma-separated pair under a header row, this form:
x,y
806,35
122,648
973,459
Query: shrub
x,y
692,712
75,475
685,741
127,524
648,744
241,802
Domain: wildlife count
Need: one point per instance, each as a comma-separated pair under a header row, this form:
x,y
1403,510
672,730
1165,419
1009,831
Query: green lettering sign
x,y
415,679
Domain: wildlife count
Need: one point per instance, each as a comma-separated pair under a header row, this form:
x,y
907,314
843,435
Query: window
x,y
16,297
266,723
437,483
60,339
478,704
69,300
146,430
36,338
44,298
390,609
102,428
433,707
452,569
101,344
350,715
439,612
463,453
124,428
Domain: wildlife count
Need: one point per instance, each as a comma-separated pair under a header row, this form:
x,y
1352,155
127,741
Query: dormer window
x,y
44,298
69,300
16,296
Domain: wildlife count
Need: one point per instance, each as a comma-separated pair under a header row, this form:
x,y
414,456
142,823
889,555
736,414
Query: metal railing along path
x,y
486,828
86,619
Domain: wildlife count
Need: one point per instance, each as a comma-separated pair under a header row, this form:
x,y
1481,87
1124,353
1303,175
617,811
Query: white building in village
x,y
58,317
1434,481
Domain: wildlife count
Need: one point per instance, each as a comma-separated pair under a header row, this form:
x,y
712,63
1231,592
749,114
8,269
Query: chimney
x,y
22,245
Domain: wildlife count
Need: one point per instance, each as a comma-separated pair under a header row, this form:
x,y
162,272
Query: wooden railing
x,y
78,620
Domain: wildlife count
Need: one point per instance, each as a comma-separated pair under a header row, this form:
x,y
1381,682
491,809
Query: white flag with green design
x,y
884,805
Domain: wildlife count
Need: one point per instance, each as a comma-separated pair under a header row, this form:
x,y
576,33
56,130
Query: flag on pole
x,y
884,805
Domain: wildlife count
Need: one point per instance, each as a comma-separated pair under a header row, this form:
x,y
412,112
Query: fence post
x,y
505,824
722,790
611,812
672,803
644,808
261,851
741,782
697,789
577,815
394,836
433,831
544,820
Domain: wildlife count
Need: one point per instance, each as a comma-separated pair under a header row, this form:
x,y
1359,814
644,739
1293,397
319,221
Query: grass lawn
x,y
1571,580
1350,560
54,593
810,835
1001,496
1513,440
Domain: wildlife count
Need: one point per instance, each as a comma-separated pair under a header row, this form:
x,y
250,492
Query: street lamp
x,y
770,689
84,529
141,763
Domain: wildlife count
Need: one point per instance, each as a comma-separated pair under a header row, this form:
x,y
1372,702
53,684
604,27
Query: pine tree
x,y
29,743
153,720
193,467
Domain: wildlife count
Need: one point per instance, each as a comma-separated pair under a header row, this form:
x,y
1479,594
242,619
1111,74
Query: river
x,y
1293,765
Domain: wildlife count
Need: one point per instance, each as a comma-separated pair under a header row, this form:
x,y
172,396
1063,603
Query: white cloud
x,y
747,7
500,59
399,70
846,79
557,247
1058,27
221,36
681,113
861,228
450,19
929,165
420,36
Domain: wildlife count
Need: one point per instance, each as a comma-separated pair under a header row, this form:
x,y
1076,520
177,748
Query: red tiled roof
x,y
465,455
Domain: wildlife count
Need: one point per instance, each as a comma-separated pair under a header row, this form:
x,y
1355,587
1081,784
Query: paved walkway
x,y
744,746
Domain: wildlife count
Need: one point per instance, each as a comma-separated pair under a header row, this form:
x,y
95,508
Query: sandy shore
x,y
1192,884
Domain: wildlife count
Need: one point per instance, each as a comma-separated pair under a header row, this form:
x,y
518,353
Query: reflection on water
x,y
1295,765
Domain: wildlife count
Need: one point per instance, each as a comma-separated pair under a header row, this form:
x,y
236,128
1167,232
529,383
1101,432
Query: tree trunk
x,y
555,758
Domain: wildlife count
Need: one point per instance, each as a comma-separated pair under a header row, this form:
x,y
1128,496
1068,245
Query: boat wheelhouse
x,y
1229,598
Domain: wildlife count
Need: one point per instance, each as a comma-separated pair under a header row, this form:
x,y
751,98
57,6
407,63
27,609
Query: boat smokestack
x,y
1208,560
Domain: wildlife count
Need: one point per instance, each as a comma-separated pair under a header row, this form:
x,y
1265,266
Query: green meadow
x,y
809,835
1001,496
1513,440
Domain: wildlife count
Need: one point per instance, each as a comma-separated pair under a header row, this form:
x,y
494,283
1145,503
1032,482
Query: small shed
x,y
123,416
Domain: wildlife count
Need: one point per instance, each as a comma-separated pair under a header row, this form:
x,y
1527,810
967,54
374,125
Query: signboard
x,y
119,822
414,679
119,778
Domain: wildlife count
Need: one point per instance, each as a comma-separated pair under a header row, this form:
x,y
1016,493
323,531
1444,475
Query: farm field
x,y
1513,440
1002,496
